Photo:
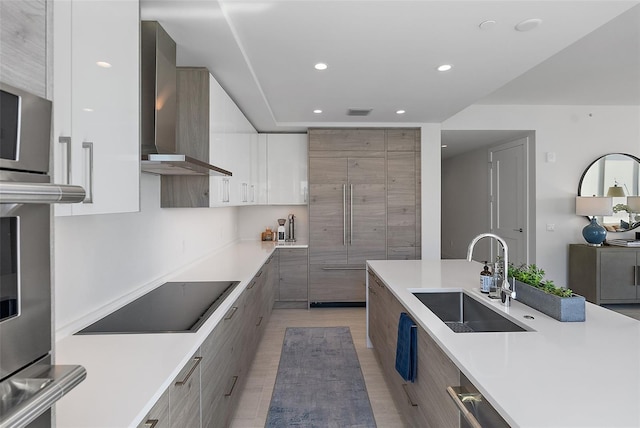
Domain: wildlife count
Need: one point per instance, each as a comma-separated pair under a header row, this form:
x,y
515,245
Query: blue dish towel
x,y
407,348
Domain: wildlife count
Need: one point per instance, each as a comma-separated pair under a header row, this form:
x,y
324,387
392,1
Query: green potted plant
x,y
534,290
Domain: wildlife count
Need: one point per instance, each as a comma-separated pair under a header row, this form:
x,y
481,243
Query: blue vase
x,y
594,234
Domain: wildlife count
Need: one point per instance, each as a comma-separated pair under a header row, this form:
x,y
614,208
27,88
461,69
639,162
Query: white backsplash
x,y
253,220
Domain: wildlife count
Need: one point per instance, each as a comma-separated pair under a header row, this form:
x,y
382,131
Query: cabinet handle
x,y
404,387
344,214
89,199
351,215
463,410
259,322
186,378
253,283
371,290
67,141
260,273
233,385
635,274
253,193
151,422
305,194
231,313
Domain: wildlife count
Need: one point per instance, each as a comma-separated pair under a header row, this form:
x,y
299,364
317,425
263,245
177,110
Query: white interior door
x,y
509,197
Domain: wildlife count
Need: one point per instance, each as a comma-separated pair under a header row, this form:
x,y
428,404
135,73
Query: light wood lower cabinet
x,y
158,416
184,395
179,405
206,391
425,402
293,278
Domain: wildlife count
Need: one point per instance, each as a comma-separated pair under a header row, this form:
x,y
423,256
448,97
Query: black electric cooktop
x,y
173,307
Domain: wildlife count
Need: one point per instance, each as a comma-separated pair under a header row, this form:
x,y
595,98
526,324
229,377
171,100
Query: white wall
x,y
430,190
465,204
577,135
102,260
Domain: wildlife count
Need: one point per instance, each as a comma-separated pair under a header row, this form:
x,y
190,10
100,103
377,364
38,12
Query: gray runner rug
x,y
319,381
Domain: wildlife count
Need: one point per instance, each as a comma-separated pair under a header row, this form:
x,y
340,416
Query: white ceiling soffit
x,y
381,55
602,68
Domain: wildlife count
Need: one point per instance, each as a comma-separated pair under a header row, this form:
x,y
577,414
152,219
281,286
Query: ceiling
x,y
382,55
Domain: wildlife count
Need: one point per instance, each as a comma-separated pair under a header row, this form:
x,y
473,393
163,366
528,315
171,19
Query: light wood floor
x,y
254,400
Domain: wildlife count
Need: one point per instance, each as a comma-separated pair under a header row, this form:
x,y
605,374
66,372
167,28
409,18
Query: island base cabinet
x,y
425,402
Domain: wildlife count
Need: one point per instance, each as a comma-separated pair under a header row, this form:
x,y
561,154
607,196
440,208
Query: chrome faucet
x,y
506,293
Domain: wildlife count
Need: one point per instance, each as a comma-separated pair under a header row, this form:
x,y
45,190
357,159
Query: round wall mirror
x,y
616,175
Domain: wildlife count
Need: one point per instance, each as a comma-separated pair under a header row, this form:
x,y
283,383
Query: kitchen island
x,y
557,374
128,373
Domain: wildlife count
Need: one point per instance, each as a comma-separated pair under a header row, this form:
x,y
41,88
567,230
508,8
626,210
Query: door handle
x,y
518,230
193,369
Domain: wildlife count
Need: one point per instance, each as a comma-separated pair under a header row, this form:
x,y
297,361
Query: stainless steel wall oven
x,y
29,384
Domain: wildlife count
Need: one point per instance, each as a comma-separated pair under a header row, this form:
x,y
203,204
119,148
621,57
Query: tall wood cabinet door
x,y
367,210
617,274
328,210
401,202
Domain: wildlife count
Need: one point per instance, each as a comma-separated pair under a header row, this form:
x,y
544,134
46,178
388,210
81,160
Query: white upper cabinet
x,y
96,103
287,182
233,147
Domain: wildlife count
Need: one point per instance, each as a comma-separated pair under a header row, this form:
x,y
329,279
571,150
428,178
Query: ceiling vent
x,y
358,112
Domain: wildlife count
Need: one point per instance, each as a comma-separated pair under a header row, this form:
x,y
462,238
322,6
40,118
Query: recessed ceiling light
x,y
444,67
317,111
528,24
400,112
320,66
103,64
444,146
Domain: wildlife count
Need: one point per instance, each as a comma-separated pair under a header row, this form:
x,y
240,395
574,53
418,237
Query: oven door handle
x,y
31,193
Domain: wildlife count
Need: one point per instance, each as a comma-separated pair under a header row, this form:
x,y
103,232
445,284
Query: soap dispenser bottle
x,y
486,278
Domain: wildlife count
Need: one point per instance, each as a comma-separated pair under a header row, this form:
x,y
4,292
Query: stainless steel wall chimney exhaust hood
x,y
161,153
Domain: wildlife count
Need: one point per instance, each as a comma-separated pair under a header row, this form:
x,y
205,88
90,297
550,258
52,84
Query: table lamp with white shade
x,y
592,206
633,202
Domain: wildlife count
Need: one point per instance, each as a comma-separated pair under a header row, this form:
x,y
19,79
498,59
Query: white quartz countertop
x,y
562,374
127,373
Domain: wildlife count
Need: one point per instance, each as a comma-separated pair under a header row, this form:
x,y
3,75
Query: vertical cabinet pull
x,y
351,215
344,214
151,423
89,172
305,194
253,193
259,322
67,167
186,378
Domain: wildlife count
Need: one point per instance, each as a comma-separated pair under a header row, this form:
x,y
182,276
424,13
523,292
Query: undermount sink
x,y
463,314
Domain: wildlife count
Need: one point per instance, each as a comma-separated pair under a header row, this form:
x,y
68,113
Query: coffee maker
x,y
281,230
